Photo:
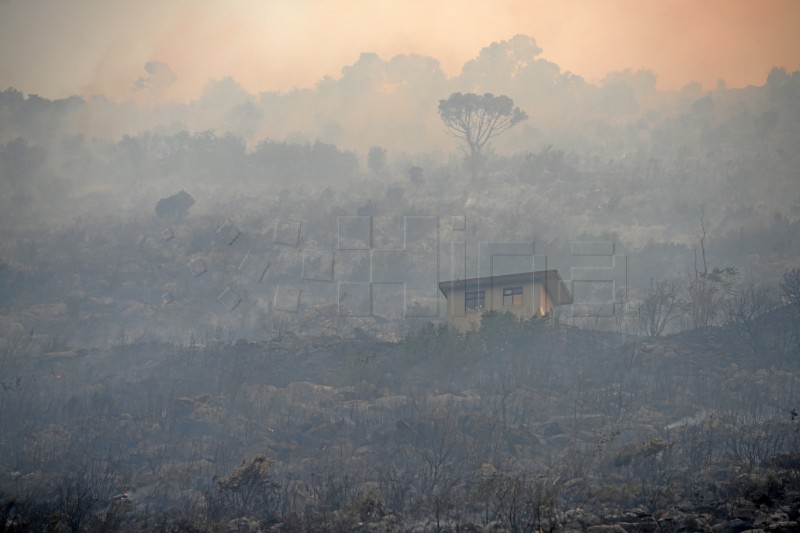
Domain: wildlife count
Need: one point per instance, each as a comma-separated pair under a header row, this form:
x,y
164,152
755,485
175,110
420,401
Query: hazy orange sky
x,y
55,48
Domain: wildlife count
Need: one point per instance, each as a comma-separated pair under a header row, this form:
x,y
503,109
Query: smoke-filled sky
x,y
168,50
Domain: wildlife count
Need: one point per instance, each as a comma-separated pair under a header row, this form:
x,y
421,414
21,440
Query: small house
x,y
525,295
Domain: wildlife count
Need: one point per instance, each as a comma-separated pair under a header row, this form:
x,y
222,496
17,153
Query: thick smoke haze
x,y
76,147
239,245
57,49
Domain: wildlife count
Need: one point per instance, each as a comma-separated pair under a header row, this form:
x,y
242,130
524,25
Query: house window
x,y
475,300
512,296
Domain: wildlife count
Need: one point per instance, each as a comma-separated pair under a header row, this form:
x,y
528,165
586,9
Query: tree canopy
x,y
476,119
174,206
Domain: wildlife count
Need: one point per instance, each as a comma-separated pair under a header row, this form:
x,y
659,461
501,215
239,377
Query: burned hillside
x,y
530,421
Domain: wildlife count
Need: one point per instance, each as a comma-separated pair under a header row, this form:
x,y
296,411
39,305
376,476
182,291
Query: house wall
x,y
534,300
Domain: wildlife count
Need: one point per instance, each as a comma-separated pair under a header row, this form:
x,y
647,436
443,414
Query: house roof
x,y
551,279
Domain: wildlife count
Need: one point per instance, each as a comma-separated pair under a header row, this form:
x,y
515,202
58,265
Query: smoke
x,y
159,75
280,46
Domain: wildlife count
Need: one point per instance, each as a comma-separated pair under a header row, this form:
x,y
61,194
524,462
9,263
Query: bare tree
x,y
746,310
790,288
659,305
436,468
249,490
524,502
75,502
790,294
708,290
332,486
395,485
